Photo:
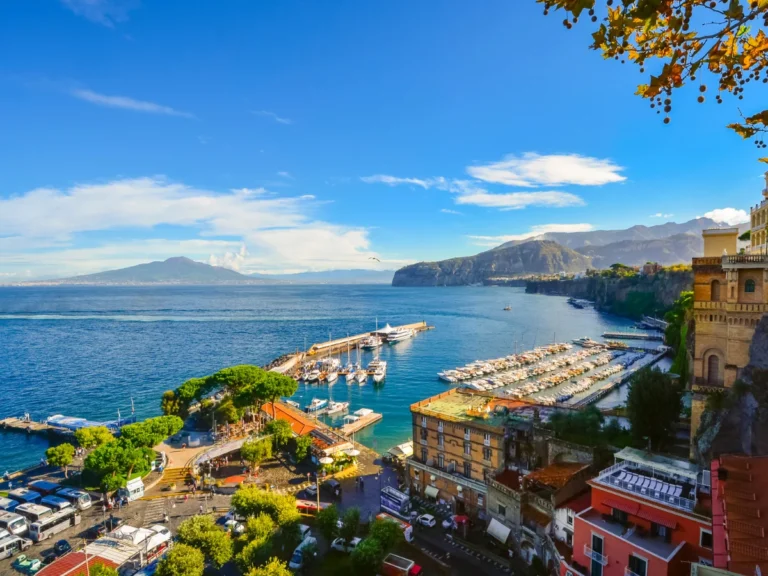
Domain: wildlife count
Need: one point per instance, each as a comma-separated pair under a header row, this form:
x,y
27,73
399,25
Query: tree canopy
x,y
250,500
677,42
274,567
151,431
201,532
60,456
256,451
367,557
281,432
350,524
327,522
300,446
653,407
93,437
112,463
182,560
101,570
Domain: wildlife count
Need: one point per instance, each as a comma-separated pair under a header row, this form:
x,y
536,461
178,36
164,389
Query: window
x,y
661,531
569,517
424,421
440,440
713,369
749,286
715,291
733,291
423,433
467,448
466,434
705,539
502,510
487,453
487,439
480,500
423,454
637,565
468,469
440,461
619,515
569,539
439,426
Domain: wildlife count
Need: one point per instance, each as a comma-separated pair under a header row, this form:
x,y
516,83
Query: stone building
x,y
730,297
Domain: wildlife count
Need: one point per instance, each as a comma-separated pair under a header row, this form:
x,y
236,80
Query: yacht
x,y
313,375
336,407
370,343
399,334
351,373
331,377
507,308
379,371
316,405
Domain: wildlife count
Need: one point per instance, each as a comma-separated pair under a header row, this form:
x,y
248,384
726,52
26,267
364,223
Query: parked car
x,y
102,528
311,490
61,547
331,485
427,520
297,559
341,545
234,526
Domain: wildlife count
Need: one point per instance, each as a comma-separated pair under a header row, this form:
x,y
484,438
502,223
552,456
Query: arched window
x,y
713,369
749,286
715,292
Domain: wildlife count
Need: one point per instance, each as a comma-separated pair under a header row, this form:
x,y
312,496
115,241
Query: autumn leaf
x,y
743,131
763,159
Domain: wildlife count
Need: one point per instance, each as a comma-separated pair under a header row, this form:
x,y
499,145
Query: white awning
x,y
498,531
431,491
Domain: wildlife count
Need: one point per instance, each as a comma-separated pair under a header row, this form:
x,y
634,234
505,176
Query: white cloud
x,y
730,216
104,12
395,181
518,200
661,215
536,230
449,211
284,174
127,103
272,115
531,170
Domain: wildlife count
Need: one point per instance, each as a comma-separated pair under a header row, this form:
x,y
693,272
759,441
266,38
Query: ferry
x,y
399,334
316,405
337,407
586,342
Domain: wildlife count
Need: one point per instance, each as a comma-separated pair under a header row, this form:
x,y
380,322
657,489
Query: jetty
x,y
634,336
355,423
31,427
340,344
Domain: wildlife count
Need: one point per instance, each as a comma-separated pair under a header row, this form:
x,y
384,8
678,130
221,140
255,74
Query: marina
x,y
359,420
634,336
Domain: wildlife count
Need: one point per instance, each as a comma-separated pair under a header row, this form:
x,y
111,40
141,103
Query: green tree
x,y
259,527
182,560
112,483
350,524
254,553
387,533
250,500
227,412
93,436
327,522
653,408
245,384
171,405
151,431
277,385
300,446
256,451
275,567
117,458
101,570
281,431
309,556
201,532
61,456
367,557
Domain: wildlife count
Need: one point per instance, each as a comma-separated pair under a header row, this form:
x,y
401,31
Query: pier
x,y
340,344
634,336
354,426
31,427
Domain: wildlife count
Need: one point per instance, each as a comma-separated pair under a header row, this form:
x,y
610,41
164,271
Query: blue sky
x,y
289,136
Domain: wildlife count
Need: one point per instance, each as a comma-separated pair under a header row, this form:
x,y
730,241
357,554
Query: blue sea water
x,y
87,351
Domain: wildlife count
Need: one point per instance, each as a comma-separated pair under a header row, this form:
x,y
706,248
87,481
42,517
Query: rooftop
x,y
578,503
740,514
557,475
509,478
461,405
73,564
300,424
535,515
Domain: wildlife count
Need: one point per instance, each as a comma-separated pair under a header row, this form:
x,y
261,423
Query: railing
x,y
709,382
673,501
628,572
708,261
746,259
455,477
713,305
596,556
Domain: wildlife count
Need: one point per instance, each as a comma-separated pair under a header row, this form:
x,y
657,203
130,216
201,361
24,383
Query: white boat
x,y
336,407
313,375
293,403
362,376
316,405
362,412
399,334
331,377
351,373
380,371
370,343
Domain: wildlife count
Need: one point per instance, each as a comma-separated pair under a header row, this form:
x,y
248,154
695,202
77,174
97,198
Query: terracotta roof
x,y
740,514
509,478
73,564
557,475
300,424
579,502
535,515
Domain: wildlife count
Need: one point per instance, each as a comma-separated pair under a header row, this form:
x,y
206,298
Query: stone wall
x,y
562,451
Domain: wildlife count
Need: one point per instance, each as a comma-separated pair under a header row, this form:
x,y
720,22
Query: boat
x,y
316,405
336,407
331,377
362,376
370,343
313,375
507,308
293,403
399,334
380,371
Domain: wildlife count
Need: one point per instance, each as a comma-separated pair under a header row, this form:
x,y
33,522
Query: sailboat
x,y
351,369
379,368
362,375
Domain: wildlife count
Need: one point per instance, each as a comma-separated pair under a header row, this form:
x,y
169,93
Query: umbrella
x,y
354,452
326,460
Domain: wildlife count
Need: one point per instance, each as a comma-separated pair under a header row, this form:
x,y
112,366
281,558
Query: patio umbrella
x,y
354,452
326,460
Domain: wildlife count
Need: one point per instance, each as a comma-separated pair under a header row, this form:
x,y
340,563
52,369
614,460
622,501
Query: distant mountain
x,y
676,249
353,276
178,270
638,233
533,257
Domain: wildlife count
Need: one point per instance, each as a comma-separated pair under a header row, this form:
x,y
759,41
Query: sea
x,y
93,351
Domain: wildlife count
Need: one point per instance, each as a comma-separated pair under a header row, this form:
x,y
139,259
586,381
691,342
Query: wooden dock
x,y
30,427
362,422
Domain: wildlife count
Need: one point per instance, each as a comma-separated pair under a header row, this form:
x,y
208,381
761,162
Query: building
x,y
649,516
740,514
459,439
300,423
730,292
650,268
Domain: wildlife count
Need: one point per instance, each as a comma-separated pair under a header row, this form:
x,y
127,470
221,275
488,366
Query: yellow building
x,y
730,291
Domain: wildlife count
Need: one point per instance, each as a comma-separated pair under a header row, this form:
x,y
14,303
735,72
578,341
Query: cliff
x,y
535,257
632,296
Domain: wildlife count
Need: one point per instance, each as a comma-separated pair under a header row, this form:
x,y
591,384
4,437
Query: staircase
x,y
178,476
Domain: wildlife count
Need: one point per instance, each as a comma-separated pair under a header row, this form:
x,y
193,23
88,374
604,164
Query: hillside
x,y
676,249
534,257
333,277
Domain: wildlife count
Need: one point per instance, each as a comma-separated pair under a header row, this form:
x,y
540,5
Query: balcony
x,y
745,261
596,556
708,261
628,572
449,475
629,534
715,384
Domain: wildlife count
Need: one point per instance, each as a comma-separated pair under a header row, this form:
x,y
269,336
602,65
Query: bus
x,y
14,523
55,503
43,487
395,502
24,496
53,524
11,545
405,526
78,498
8,505
33,512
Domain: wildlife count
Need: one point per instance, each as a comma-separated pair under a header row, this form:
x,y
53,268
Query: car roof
x,y
427,516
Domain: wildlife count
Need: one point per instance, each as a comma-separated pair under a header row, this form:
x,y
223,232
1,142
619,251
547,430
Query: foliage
x,y
746,236
677,317
256,451
60,456
653,408
251,501
257,540
300,446
588,427
259,527
275,567
112,483
201,532
245,384
281,432
327,522
679,268
93,436
367,556
678,41
111,463
171,405
151,431
182,560
101,570
308,555
387,533
350,524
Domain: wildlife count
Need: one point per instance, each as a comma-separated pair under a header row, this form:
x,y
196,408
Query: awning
x,y
623,505
431,492
657,518
498,531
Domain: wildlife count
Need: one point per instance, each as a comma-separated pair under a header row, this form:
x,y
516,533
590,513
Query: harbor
x,y
634,336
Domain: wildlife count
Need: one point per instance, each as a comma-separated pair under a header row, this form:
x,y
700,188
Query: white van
x,y
14,523
33,512
8,505
12,545
55,503
134,489
297,560
78,498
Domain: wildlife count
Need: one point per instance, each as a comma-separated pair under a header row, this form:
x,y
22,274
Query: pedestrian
x,y
201,508
362,485
186,497
165,517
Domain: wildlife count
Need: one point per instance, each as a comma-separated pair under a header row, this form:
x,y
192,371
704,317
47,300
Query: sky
x,y
289,136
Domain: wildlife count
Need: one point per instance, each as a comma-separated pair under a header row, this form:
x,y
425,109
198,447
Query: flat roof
x,y
666,464
461,405
73,564
557,475
719,231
